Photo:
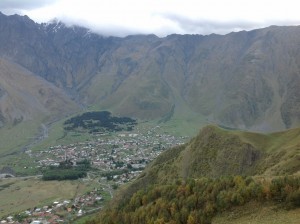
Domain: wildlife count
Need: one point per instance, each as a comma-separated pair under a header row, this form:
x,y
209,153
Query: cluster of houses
x,y
113,154
109,153
58,211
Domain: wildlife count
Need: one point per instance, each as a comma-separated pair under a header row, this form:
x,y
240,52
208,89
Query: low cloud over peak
x,y
160,17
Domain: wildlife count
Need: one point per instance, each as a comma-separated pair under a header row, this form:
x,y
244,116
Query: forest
x,y
67,171
199,200
99,121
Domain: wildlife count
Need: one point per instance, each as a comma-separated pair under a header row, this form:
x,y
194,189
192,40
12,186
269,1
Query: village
x,y
59,211
115,159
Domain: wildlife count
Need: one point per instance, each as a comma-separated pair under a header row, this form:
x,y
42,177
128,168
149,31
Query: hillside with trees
x,y
199,200
216,171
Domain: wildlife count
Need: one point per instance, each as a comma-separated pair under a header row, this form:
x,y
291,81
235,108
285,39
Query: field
x,y
57,135
13,138
176,127
17,195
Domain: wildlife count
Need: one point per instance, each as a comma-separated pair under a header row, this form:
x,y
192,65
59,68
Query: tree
x,y
192,218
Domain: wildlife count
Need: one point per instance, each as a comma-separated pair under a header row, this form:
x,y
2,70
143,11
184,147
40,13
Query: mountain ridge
x,y
247,167
217,152
247,80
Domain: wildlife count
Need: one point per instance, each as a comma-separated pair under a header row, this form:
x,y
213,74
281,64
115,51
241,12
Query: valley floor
x,y
111,157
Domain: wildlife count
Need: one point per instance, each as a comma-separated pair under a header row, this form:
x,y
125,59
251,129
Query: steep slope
x,y
201,200
217,152
26,98
247,80
253,213
196,180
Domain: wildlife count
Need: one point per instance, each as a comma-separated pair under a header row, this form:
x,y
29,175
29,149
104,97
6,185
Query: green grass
x,y
57,136
282,150
18,164
13,138
216,152
84,219
175,126
254,213
20,195
273,141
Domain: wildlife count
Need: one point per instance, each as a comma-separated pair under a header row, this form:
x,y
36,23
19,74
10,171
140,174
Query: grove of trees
x,y
199,200
99,121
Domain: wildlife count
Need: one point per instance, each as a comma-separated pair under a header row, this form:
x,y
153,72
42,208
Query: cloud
x,y
160,17
17,6
208,26
24,4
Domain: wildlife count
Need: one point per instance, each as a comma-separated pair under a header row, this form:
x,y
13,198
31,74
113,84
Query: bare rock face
x,y
248,80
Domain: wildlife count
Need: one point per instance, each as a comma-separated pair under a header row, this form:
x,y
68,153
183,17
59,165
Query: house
x,y
36,222
79,213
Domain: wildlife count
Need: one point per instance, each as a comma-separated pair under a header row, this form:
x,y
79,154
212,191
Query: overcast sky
x,y
160,17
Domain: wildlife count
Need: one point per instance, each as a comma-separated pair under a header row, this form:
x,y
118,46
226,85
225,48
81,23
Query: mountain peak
x,y
53,25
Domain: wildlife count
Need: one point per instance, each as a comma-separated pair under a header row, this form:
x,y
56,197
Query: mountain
x,y
247,80
27,99
25,96
216,171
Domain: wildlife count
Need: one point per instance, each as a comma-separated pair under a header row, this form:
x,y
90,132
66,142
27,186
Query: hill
x,y
217,152
216,171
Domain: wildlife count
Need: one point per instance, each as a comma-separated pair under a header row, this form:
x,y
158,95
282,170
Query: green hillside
x,y
217,152
200,200
216,171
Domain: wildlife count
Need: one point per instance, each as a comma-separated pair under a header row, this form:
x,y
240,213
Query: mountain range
x,y
247,80
241,80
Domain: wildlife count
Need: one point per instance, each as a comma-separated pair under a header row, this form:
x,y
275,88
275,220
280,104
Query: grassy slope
x,y
283,150
278,155
254,212
58,136
14,138
214,151
28,102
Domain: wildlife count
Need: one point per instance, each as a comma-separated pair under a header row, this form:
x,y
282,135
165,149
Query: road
x,y
6,175
108,187
21,178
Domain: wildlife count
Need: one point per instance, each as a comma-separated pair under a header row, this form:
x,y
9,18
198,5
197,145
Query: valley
x,y
115,157
104,129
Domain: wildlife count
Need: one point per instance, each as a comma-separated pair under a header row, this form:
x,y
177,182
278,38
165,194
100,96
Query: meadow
x,y
20,194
